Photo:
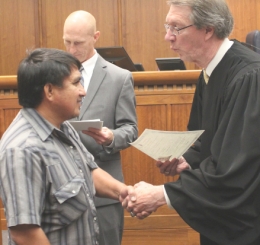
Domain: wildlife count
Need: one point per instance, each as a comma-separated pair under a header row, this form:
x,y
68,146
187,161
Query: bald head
x,y
80,35
81,21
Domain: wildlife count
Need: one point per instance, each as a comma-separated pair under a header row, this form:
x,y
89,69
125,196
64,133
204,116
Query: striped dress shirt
x,y
45,179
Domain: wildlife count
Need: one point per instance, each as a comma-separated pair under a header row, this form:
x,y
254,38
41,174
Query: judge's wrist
x,y
168,202
159,195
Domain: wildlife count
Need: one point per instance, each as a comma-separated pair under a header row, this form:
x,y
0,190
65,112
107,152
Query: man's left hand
x,y
103,136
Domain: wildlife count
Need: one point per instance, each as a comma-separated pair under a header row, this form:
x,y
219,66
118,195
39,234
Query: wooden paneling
x,y
179,115
143,34
246,17
162,227
161,237
18,32
9,106
256,13
8,114
135,24
54,13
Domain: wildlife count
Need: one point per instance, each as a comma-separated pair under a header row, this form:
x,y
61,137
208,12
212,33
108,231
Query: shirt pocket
x,y
69,190
72,201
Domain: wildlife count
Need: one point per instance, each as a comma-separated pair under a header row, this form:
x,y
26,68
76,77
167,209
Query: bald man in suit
x,y
110,97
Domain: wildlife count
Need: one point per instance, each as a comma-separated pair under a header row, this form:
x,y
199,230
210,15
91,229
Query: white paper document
x,y
165,145
85,124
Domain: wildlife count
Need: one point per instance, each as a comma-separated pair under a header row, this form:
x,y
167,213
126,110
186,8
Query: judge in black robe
x,y
220,197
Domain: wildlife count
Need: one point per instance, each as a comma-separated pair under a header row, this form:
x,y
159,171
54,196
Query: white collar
x,y
225,46
90,63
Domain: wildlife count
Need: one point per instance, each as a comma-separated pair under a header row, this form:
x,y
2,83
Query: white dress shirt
x,y
225,46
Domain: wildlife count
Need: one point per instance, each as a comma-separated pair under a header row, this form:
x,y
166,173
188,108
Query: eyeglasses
x,y
174,30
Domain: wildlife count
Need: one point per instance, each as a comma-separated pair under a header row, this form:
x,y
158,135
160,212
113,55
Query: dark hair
x,y
42,66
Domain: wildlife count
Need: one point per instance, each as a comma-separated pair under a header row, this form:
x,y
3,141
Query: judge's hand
x,y
173,167
103,136
148,199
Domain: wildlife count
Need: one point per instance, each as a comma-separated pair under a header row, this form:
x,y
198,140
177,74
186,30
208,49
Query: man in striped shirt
x,y
47,177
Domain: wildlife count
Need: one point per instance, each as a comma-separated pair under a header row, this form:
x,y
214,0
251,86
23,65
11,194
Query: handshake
x,y
142,199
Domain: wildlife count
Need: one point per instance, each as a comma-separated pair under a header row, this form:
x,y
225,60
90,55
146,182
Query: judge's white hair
x,y
209,13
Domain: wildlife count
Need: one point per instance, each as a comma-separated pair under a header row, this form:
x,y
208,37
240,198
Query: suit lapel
x,y
96,80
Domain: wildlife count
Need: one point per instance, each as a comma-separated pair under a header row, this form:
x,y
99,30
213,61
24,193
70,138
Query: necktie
x,y
82,78
206,77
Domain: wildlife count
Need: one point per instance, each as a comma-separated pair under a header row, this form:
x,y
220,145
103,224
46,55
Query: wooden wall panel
x,y
54,13
143,31
246,17
180,115
136,25
18,32
256,13
161,237
8,110
163,227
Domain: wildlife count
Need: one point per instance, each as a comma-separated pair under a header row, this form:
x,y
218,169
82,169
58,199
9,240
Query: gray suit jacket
x,y
110,98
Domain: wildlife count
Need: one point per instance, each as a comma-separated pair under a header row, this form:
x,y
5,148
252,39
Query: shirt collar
x,y
225,46
43,128
90,62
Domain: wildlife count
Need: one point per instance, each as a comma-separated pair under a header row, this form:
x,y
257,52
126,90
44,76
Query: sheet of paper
x,y
165,145
85,124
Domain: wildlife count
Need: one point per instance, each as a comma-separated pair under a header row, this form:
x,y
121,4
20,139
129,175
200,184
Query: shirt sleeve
x,y
167,198
126,130
22,186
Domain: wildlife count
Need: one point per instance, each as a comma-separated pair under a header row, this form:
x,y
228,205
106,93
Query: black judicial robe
x,y
220,197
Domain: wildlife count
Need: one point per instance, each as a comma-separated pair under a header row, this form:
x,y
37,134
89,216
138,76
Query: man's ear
x,y
209,32
48,91
96,36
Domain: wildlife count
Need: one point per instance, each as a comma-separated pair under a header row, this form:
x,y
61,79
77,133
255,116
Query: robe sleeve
x,y
221,199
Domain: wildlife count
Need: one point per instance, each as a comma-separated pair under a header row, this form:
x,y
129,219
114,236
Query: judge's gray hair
x,y
209,13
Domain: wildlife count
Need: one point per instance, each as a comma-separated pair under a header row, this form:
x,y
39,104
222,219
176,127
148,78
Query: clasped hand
x,y
173,167
143,199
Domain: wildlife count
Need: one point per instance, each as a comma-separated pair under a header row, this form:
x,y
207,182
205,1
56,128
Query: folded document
x,y
165,145
85,124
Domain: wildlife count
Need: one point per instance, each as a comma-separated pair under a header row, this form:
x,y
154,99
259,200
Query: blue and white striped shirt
x,y
45,179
